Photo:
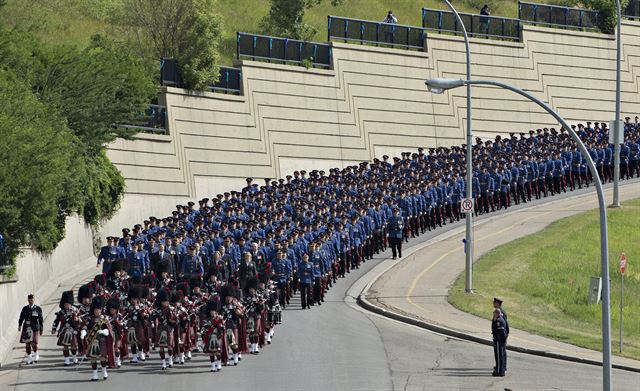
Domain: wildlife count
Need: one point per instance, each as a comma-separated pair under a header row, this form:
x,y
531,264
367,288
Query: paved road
x,y
419,284
337,346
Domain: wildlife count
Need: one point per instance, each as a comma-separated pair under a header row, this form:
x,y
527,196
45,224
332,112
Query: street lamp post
x,y
468,275
438,86
616,127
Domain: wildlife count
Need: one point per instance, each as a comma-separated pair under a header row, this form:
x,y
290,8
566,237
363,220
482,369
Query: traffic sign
x,y
612,125
623,263
467,205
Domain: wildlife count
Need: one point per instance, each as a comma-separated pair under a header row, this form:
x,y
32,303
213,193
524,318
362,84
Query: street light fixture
x,y
616,127
439,85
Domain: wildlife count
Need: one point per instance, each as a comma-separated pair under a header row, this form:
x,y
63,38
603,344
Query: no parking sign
x,y
467,205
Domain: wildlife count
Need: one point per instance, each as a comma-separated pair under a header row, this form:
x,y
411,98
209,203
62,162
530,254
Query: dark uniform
x,y
499,332
396,231
30,324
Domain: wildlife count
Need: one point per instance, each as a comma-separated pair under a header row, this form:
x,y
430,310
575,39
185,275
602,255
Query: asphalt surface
x,y
337,346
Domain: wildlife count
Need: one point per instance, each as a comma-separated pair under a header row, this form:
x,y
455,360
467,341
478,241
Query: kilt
x,y
67,338
212,342
28,335
164,337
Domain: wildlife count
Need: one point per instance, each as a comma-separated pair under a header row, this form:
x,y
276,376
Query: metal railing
x,y
170,73
483,26
633,10
376,33
283,50
557,16
152,120
229,81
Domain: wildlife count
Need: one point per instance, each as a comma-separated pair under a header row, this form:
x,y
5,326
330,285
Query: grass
x,y
75,21
544,280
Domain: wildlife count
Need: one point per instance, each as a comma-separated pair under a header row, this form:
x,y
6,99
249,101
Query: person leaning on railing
x,y
484,19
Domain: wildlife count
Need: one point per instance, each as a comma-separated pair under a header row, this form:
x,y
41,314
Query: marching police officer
x,y
305,278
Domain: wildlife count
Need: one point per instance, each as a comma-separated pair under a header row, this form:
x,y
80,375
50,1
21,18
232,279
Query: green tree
x,y
186,30
58,108
608,13
37,152
285,19
95,88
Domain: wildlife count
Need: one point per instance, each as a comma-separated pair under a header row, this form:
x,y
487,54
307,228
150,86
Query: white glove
x,y
83,334
104,332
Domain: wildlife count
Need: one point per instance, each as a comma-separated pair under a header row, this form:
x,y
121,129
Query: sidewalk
x,y
415,289
48,298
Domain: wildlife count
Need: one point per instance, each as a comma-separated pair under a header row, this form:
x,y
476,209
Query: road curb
x,y
366,304
362,301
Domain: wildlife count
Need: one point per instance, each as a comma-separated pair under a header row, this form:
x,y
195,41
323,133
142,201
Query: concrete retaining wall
x,y
40,274
372,102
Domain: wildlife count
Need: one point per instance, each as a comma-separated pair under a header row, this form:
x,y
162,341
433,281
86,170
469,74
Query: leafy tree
x,y
94,88
186,30
285,19
37,153
58,107
608,13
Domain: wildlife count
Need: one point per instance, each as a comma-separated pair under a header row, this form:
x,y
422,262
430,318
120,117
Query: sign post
x,y
623,268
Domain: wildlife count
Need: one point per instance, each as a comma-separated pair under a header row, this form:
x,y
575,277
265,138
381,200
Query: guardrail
x,y
444,21
152,120
633,10
283,50
376,33
229,81
557,16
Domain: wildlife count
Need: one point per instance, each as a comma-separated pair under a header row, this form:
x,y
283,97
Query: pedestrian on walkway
x,y
499,332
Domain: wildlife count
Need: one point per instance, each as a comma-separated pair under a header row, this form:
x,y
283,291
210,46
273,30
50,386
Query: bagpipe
x,y
92,334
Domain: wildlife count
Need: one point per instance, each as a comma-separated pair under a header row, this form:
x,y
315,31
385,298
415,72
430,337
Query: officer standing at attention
x,y
499,332
396,230
497,304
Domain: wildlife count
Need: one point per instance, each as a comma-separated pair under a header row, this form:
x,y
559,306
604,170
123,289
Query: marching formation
x,y
119,318
213,277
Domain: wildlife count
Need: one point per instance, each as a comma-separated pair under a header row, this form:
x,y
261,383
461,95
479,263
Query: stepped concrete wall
x,y
372,102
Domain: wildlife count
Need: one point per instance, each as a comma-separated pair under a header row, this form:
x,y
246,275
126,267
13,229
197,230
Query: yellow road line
x,y
443,256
